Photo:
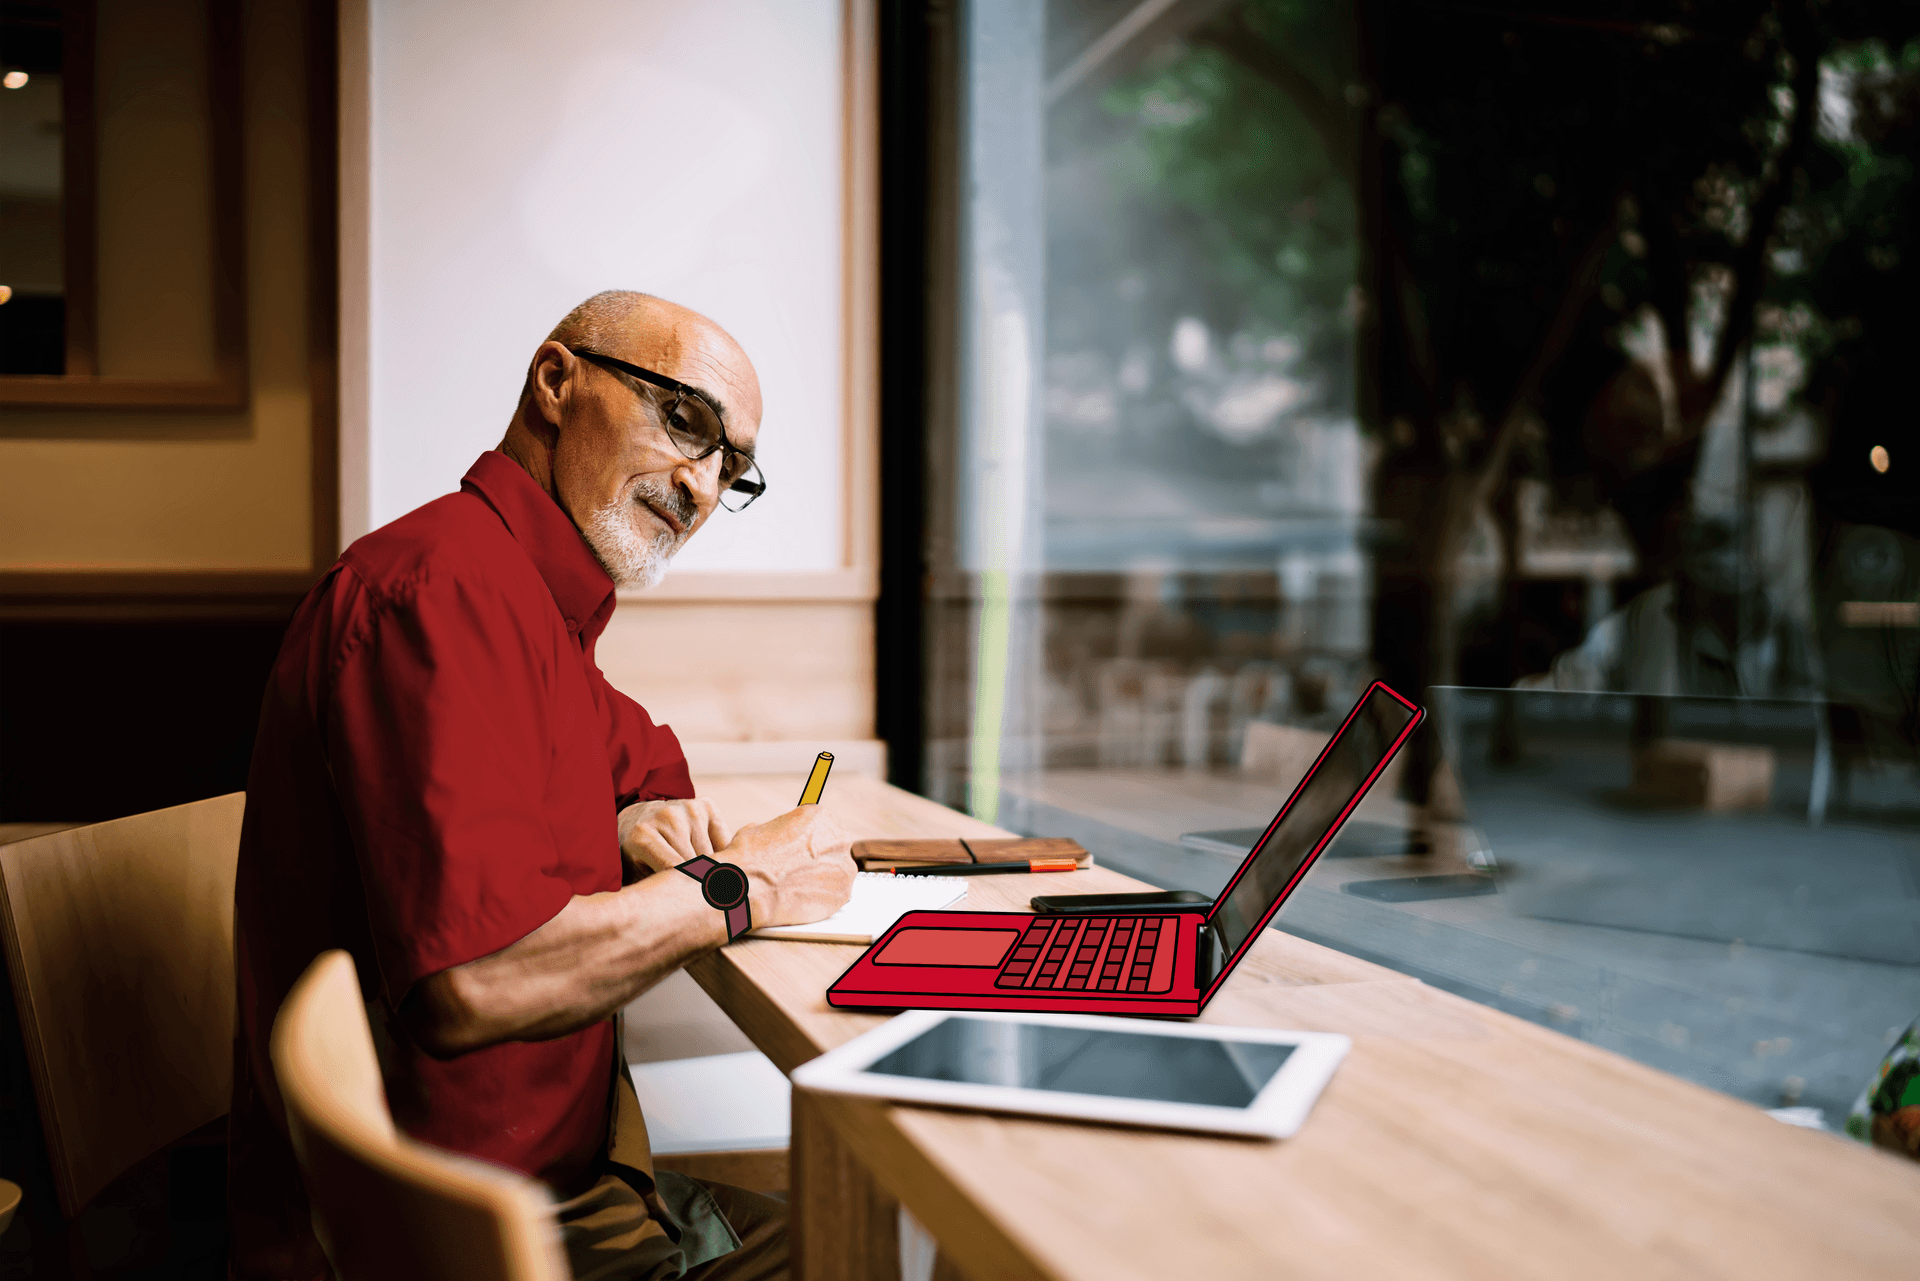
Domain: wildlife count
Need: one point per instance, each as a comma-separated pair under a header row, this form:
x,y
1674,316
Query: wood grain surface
x,y
119,941
1455,1141
11,832
388,1208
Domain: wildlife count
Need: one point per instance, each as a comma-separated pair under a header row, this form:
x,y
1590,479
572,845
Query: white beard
x,y
634,563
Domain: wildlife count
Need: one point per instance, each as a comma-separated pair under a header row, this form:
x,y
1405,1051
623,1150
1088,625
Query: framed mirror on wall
x,y
122,244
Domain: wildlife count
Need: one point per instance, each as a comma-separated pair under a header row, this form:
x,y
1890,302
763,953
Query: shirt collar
x,y
580,587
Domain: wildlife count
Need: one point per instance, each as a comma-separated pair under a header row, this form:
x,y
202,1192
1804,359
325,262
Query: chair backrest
x,y
119,941
383,1205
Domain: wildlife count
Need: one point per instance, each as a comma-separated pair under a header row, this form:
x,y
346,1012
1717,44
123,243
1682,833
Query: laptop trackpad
x,y
947,947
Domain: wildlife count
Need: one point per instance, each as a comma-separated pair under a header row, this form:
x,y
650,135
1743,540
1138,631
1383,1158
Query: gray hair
x,y
594,324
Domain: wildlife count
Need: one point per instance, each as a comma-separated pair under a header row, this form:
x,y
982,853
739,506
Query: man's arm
x,y
603,950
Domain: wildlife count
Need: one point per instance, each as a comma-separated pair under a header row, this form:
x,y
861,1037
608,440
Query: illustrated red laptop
x,y
1165,963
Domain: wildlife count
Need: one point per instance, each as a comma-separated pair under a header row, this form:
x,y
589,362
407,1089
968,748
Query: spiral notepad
x,y
878,901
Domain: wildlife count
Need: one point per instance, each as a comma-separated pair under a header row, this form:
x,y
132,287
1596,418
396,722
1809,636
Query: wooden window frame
x,y
82,386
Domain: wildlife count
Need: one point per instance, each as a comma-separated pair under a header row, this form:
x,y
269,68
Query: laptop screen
x,y
1359,749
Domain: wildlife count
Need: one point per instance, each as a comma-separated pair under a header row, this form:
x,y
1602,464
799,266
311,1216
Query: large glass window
x,y
1281,347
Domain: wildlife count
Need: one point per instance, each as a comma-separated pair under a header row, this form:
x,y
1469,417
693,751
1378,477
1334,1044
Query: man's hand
x,y
657,835
798,866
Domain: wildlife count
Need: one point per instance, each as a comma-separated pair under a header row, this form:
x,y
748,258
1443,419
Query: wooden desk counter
x,y
1455,1141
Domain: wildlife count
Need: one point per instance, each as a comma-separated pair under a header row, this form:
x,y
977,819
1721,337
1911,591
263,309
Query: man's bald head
x,y
602,318
594,439
608,319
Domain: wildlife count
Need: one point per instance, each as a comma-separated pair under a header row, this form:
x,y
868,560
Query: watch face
x,y
725,886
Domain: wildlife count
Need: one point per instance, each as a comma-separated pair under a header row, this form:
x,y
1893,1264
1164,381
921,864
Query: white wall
x,y
526,155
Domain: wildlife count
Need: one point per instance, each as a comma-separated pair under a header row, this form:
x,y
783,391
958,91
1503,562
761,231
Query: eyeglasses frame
x,y
752,489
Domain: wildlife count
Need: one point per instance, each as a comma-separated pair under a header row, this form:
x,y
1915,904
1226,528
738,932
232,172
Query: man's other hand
x,y
657,835
798,866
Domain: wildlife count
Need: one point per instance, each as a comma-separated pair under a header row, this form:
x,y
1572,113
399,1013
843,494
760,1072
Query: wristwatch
x,y
724,886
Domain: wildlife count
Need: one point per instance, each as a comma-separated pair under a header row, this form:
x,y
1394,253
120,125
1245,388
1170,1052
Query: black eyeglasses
x,y
694,427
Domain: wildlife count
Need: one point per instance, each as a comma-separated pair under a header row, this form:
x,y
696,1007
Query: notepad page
x,y
878,901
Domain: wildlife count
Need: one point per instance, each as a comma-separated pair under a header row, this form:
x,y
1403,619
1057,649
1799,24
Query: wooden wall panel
x,y
746,671
105,503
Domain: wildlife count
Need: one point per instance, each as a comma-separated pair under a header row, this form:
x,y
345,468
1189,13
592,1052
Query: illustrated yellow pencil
x,y
817,781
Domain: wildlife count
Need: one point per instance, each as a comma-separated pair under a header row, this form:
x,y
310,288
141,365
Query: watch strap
x,y
740,912
697,867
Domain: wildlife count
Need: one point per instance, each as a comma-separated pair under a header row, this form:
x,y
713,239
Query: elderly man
x,y
446,786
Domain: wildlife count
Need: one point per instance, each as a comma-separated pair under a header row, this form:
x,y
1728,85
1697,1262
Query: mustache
x,y
668,499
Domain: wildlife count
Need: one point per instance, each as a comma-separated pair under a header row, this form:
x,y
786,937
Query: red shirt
x,y
437,770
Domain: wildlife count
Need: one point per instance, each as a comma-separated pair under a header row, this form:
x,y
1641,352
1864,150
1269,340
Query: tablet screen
x,y
1126,1065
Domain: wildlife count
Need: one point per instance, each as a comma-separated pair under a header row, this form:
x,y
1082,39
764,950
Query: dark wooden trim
x,y
323,272
155,609
132,594
79,192
49,392
915,77
18,586
80,387
277,609
226,118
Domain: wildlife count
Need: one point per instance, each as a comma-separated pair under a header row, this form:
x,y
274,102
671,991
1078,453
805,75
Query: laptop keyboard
x,y
1086,953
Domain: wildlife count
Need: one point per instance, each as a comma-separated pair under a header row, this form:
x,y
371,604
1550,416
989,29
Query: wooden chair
x,y
119,941
384,1206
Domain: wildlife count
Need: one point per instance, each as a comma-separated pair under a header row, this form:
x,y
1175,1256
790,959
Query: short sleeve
x,y
440,737
648,764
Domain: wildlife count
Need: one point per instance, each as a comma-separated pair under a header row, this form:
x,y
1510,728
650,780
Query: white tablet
x,y
1178,1076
